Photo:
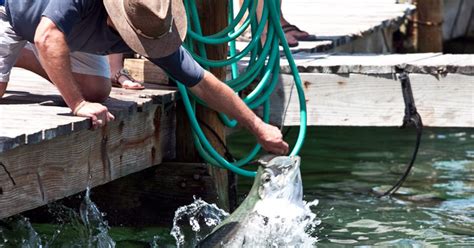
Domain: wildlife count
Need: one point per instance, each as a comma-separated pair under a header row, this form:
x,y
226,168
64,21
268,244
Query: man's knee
x,y
93,88
99,95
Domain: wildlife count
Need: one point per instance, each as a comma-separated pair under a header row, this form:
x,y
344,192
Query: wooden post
x,y
213,16
429,25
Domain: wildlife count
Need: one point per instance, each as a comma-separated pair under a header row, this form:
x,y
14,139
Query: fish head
x,y
280,179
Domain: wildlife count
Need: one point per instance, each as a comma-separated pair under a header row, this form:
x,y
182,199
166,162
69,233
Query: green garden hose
x,y
263,63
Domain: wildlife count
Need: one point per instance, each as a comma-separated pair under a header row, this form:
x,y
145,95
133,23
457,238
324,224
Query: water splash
x,y
97,229
17,232
283,224
193,222
277,224
88,226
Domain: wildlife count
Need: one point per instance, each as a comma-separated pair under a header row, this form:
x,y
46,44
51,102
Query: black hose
x,y
419,128
411,118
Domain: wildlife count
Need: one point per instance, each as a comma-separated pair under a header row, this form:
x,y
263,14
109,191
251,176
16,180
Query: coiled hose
x,y
263,63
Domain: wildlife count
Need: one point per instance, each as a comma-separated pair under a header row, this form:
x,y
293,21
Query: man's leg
x,y
90,71
10,47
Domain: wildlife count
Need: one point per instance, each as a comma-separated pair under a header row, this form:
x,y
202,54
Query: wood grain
x,y
67,164
32,108
376,100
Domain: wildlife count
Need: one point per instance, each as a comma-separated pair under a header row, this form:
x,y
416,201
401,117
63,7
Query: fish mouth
x,y
282,166
280,179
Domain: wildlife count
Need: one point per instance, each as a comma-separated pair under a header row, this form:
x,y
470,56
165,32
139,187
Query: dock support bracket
x,y
411,118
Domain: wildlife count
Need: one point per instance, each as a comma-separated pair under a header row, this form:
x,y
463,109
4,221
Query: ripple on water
x,y
470,154
453,165
343,241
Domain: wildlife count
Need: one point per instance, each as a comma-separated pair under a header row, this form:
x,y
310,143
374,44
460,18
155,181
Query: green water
x,y
342,167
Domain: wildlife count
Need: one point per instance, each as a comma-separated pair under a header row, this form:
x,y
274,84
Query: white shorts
x,y
11,45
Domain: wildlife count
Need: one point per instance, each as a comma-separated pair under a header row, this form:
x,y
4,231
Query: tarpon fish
x,y
277,183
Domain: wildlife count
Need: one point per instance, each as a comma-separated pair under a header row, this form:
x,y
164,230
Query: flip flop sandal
x,y
290,27
123,72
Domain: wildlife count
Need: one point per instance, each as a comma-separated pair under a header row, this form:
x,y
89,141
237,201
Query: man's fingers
x,y
94,121
98,113
110,117
286,148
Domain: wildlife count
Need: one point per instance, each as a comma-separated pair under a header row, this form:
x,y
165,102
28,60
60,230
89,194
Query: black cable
x,y
411,118
419,128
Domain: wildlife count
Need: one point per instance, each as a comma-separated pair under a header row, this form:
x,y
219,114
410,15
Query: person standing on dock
x,y
69,36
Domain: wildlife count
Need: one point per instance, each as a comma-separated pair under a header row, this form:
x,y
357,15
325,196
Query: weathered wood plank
x,y
33,111
68,164
424,63
329,22
368,100
37,122
446,63
147,97
145,71
11,141
352,63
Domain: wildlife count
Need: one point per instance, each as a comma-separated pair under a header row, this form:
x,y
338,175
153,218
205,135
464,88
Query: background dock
x,y
364,89
346,25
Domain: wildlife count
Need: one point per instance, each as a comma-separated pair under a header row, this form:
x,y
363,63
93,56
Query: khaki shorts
x,y
11,45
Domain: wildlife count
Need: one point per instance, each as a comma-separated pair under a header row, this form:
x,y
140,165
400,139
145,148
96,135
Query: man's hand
x,y
223,99
96,111
271,139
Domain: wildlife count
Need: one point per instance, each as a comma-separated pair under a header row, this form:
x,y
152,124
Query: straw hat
x,y
152,28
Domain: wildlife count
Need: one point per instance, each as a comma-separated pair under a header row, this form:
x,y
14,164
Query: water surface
x,y
342,167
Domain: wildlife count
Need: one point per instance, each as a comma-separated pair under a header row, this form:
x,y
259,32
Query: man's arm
x,y
223,99
54,55
181,66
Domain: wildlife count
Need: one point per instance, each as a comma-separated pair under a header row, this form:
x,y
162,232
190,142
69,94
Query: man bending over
x,y
68,36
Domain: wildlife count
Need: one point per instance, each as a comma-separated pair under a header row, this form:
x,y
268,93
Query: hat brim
x,y
152,48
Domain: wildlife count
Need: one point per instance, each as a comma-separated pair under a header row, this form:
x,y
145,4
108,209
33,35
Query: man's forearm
x,y
54,55
221,98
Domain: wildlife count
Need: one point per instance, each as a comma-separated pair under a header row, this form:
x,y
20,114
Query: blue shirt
x,y
84,23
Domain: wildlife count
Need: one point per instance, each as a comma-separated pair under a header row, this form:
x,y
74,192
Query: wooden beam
x,y
423,63
50,170
211,23
376,100
144,70
429,25
35,112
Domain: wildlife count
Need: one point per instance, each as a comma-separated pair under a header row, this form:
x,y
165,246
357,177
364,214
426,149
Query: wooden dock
x,y
349,26
364,89
47,154
346,25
